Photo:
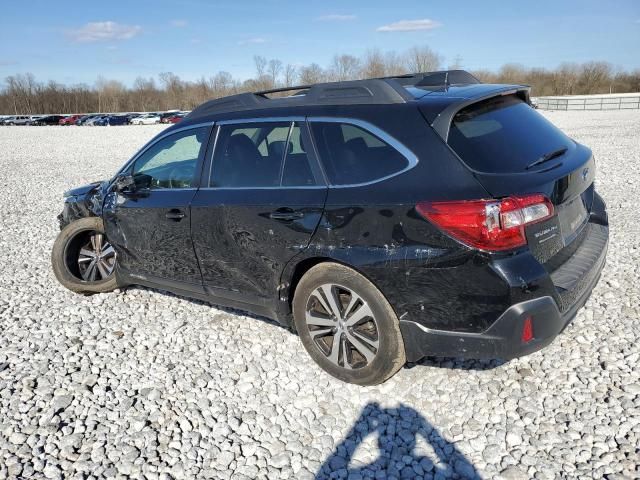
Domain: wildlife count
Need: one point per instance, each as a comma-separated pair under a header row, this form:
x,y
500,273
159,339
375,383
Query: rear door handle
x,y
285,214
175,215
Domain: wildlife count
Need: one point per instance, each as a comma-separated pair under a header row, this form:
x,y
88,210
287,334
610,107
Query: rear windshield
x,y
504,135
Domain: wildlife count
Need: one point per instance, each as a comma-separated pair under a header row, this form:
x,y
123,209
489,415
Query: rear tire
x,y
82,259
347,326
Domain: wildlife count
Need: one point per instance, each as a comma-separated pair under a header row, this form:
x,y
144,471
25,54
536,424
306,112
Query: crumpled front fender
x,y
81,202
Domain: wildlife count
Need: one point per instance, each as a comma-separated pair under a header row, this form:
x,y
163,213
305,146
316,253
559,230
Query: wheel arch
x,y
293,273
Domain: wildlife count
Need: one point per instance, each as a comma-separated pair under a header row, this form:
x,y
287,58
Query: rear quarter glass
x,y
504,135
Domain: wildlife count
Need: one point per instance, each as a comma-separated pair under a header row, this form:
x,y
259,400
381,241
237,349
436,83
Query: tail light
x,y
491,225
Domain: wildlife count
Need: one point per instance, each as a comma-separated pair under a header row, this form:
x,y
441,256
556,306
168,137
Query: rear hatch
x,y
513,150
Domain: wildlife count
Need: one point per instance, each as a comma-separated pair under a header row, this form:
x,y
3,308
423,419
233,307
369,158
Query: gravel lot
x,y
144,384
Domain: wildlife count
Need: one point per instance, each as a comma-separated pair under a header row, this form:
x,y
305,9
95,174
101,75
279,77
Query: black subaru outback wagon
x,y
384,220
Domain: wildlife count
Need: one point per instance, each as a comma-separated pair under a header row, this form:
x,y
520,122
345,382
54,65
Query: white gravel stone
x,y
142,383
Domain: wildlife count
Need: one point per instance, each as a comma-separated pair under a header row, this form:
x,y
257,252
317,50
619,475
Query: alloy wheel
x,y
342,325
96,259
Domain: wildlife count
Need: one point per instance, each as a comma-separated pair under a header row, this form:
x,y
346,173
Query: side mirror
x,y
125,184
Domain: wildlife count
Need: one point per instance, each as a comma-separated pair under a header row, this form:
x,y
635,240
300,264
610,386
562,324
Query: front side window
x,y
171,162
263,154
352,155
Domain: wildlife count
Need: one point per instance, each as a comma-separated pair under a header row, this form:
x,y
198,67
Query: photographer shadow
x,y
398,453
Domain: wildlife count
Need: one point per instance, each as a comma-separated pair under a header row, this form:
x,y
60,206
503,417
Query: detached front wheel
x,y
83,260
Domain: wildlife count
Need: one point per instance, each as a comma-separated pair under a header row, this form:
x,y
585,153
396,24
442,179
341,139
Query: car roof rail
x,y
381,91
441,78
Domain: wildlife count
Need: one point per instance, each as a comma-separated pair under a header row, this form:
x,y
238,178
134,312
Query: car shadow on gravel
x,y
457,363
221,308
439,362
396,432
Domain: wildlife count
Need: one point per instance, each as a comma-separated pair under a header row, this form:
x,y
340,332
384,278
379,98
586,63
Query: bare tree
x,y
222,84
275,69
595,77
345,67
373,65
311,74
423,59
394,64
512,73
290,75
261,64
146,94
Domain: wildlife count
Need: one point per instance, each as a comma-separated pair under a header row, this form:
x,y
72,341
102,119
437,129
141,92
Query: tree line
x,y
23,94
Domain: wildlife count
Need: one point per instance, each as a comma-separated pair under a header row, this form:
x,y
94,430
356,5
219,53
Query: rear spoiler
x,y
442,121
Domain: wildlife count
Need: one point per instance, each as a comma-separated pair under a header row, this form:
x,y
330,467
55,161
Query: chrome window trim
x,y
213,152
411,157
155,140
295,118
285,153
300,187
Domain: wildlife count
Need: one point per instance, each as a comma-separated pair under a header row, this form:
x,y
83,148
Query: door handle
x,y
285,214
175,215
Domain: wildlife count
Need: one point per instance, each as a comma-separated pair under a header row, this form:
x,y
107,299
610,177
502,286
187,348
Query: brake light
x,y
491,225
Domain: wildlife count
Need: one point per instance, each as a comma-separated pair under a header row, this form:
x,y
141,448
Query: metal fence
x,y
627,102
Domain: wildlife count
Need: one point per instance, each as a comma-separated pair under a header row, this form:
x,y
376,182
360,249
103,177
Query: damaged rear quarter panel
x,y
425,275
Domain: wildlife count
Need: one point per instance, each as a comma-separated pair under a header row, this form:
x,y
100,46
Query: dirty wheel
x,y
83,260
347,326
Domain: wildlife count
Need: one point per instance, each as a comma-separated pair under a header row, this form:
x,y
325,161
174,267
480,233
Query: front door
x,y
263,203
150,227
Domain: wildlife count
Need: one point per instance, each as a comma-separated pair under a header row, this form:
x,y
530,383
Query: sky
x,y
76,41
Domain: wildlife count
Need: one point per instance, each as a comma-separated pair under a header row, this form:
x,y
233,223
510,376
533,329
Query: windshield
x,y
505,135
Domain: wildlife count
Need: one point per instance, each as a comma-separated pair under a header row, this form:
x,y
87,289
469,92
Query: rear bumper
x,y
503,339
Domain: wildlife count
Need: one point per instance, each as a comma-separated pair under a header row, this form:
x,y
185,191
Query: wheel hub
x,y
342,326
96,259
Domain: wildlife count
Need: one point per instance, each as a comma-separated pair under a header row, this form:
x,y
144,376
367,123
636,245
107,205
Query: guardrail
x,y
627,102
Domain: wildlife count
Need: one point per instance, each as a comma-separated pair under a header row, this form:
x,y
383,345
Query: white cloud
x,y
103,31
179,23
252,41
336,18
410,25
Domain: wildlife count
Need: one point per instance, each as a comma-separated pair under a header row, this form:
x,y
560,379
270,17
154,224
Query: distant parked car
x,y
69,120
6,120
111,120
165,116
147,119
93,120
131,116
46,120
19,120
83,119
175,118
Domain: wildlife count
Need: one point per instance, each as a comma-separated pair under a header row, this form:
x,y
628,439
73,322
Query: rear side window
x,y
503,135
264,154
352,155
297,171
